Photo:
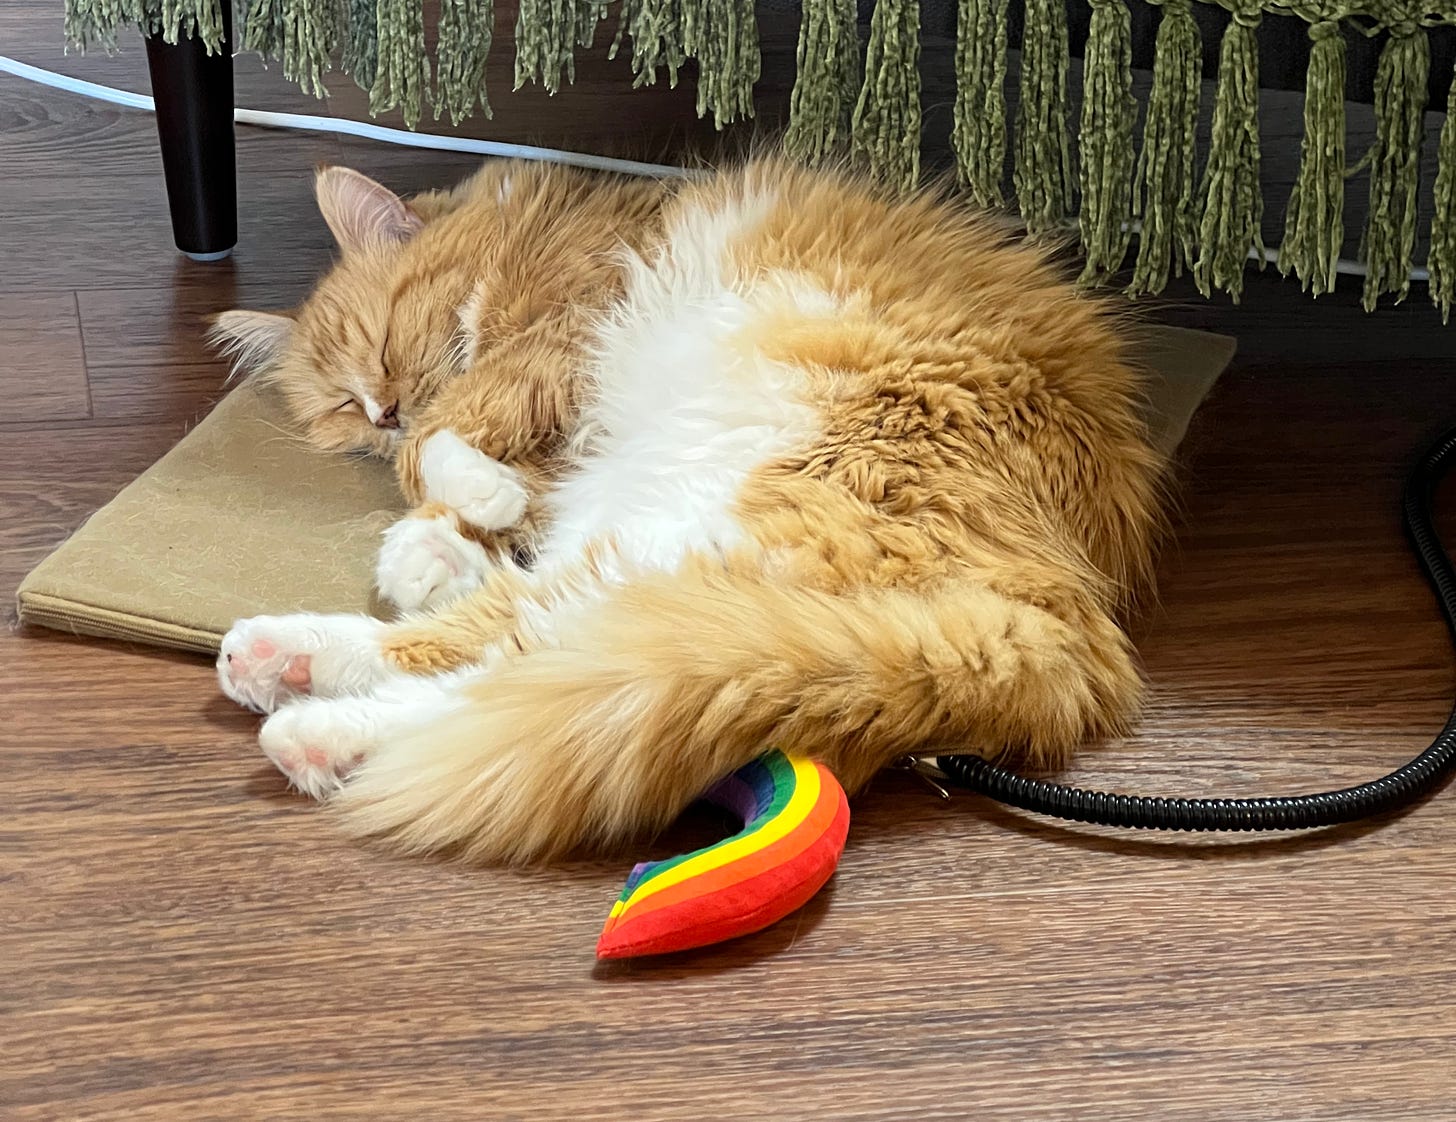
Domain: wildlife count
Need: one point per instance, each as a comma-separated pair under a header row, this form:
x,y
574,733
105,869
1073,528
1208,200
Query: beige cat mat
x,y
241,519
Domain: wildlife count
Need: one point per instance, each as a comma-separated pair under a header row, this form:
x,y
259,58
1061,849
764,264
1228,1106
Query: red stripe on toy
x,y
747,895
780,853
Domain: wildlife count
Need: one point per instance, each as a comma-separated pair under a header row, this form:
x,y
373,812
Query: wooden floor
x,y
182,939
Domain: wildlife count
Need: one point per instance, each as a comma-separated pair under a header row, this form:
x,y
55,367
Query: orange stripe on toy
x,y
812,827
795,817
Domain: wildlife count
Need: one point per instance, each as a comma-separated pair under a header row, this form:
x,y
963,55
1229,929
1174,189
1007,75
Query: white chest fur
x,y
686,406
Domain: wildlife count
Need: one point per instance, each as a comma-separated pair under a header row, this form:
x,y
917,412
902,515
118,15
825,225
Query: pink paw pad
x,y
297,674
316,756
261,648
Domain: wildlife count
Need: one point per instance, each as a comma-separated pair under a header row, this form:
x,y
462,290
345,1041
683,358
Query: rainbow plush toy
x,y
795,818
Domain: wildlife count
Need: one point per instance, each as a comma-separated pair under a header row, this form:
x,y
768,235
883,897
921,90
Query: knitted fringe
x,y
979,132
403,72
547,35
1441,261
94,22
655,28
361,43
1233,206
723,36
1166,178
89,22
302,33
466,28
1314,224
1209,225
1043,172
1109,114
885,134
1389,239
190,19
824,86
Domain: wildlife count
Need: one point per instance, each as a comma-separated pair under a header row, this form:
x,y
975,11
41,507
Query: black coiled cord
x,y
1297,812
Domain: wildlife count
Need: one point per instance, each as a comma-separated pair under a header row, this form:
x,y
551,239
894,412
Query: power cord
x,y
1298,812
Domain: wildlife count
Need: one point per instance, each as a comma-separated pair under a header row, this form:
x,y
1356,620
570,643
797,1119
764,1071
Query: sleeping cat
x,y
767,457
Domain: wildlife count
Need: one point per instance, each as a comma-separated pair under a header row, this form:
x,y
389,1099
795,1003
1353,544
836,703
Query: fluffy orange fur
x,y
944,565
532,249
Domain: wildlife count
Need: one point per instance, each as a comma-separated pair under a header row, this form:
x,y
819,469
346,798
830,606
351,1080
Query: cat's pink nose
x,y
389,419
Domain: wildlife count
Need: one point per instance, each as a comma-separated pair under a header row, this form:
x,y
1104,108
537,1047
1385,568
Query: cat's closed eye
x,y
349,405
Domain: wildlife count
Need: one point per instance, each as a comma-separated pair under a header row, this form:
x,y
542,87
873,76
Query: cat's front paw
x,y
426,562
483,491
316,743
267,661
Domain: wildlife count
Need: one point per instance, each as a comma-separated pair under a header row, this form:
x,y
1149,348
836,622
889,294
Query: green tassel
x,y
885,134
1314,224
828,69
979,132
547,35
1043,172
361,43
1166,177
1109,114
95,22
404,69
1400,104
191,19
723,36
302,33
466,27
1441,262
1233,204
655,28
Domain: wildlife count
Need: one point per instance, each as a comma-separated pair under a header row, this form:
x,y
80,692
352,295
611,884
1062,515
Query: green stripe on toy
x,y
795,819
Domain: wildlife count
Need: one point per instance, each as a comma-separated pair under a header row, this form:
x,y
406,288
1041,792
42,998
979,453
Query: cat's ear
x,y
362,213
252,339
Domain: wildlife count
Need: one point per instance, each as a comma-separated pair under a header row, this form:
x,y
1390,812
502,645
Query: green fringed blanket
x,y
867,99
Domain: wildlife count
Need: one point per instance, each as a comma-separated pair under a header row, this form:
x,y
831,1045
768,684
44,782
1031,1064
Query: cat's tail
x,y
673,682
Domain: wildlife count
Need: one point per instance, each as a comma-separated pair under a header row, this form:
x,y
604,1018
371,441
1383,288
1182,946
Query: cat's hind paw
x,y
425,562
267,661
317,742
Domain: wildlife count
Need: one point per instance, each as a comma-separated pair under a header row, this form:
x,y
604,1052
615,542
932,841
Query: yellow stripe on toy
x,y
795,819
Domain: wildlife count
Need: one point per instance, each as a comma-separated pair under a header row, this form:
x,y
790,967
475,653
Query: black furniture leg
x,y
194,96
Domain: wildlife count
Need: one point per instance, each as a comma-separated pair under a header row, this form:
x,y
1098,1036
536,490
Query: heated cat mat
x,y
241,519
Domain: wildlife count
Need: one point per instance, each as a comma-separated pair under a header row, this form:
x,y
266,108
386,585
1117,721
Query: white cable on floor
x,y
367,131
309,123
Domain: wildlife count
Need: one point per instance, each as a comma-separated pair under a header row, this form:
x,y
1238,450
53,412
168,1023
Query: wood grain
x,y
44,378
153,328
182,939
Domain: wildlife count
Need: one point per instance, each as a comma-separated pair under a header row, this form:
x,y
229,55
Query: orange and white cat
x,y
796,461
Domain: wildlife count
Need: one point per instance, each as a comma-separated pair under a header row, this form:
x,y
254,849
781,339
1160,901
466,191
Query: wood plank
x,y
123,232
53,478
175,912
184,939
42,365
107,140
154,328
165,393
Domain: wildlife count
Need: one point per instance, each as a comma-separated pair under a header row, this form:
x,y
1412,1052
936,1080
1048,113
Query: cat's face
x,y
377,336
